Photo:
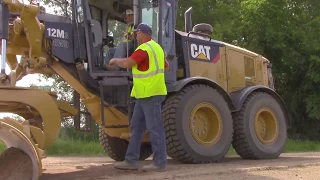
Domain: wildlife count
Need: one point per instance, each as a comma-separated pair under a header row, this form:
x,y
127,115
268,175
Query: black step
x,y
98,74
114,81
117,126
115,105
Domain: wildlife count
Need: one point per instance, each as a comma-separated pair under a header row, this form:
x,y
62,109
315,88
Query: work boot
x,y
125,165
153,167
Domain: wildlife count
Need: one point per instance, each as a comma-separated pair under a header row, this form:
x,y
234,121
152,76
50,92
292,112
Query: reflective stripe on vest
x,y
152,73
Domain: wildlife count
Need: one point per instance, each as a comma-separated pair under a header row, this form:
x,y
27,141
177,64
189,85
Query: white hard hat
x,y
128,12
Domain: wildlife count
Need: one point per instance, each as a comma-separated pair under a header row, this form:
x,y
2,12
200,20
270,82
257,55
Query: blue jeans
x,y
147,115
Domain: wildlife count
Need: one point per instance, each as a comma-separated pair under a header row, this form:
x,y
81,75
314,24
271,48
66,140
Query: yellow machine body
x,y
234,69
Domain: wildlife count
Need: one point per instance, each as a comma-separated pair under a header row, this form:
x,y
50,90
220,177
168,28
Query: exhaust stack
x,y
4,37
188,20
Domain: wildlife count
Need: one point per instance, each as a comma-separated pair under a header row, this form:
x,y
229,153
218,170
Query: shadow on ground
x,y
229,168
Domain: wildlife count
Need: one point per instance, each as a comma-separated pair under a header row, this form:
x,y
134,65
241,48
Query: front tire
x,y
116,148
198,125
260,128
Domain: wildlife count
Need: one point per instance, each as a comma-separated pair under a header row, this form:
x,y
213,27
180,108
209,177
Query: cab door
x,y
161,16
167,35
90,31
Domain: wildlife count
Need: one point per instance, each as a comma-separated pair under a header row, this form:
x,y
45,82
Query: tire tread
x,y
174,147
240,140
111,146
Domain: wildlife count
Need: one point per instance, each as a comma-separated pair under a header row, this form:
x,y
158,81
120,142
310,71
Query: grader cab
x,y
218,94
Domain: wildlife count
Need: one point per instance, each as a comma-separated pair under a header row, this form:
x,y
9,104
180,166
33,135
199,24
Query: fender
x,y
178,85
238,98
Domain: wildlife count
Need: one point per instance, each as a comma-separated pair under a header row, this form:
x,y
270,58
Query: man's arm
x,y
136,58
123,62
166,66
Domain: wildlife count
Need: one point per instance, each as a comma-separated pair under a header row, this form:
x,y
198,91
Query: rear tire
x,y
260,128
116,147
197,140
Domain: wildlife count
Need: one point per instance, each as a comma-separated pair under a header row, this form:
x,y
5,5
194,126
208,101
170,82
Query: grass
x,y
71,148
294,146
75,148
81,148
302,146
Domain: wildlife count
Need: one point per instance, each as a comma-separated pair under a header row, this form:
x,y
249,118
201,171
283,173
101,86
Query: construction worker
x,y
149,89
121,50
128,34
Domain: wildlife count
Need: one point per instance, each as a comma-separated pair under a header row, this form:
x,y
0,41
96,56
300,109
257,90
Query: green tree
x,y
285,32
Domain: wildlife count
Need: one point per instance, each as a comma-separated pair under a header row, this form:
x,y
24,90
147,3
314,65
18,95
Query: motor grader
x,y
218,94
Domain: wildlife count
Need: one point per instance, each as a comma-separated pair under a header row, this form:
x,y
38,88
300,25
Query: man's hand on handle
x,y
165,58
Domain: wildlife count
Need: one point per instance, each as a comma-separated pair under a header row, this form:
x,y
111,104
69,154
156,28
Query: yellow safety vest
x,y
151,82
128,33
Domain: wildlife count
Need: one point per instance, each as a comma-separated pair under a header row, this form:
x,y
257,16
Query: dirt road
x,y
289,166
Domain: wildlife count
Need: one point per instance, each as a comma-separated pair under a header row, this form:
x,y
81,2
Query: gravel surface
x,y
287,166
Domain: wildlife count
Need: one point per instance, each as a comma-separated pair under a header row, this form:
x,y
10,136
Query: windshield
x,y
150,13
116,29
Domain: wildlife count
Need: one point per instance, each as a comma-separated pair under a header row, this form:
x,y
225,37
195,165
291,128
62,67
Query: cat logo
x,y
201,52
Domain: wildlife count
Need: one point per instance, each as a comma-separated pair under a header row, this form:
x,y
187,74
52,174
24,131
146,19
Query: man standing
x,y
148,65
121,50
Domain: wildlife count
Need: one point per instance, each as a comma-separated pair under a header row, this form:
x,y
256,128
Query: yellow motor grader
x,y
218,94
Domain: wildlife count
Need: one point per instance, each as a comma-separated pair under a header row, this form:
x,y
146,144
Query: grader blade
x,y
26,141
22,159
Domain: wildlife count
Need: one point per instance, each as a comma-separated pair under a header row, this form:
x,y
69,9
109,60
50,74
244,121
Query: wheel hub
x,y
266,126
199,124
205,124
